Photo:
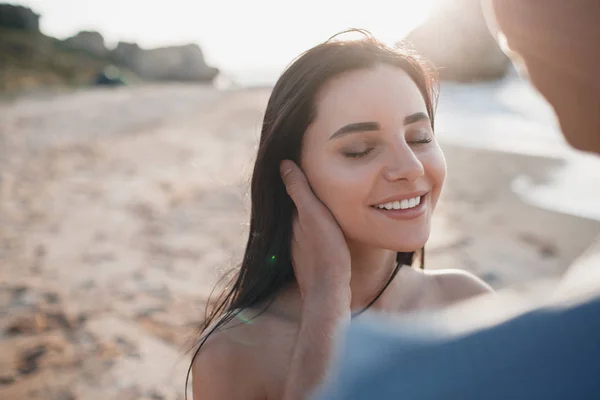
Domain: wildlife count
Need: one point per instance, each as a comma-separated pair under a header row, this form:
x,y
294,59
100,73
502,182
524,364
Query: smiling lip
x,y
407,214
402,197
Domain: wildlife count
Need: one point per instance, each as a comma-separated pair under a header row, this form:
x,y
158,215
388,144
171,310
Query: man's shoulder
x,y
545,351
583,277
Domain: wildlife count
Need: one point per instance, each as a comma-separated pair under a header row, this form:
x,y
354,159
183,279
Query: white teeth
x,y
400,205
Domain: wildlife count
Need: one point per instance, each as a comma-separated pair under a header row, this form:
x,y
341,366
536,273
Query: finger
x,y
296,229
297,185
296,243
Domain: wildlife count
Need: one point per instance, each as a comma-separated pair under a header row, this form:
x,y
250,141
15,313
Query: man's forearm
x,y
322,319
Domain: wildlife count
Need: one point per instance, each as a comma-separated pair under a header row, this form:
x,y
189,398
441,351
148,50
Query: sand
x,y
120,209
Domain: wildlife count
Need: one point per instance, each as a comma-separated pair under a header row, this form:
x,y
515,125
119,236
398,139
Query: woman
x,y
347,176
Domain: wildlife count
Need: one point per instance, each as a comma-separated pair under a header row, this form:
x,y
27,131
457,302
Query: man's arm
x,y
311,359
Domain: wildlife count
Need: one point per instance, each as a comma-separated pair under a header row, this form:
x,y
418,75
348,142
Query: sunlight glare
x,y
233,34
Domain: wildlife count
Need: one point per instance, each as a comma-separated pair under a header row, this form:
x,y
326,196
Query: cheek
x,y
434,164
341,188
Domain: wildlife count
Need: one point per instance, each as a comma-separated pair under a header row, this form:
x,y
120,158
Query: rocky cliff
x,y
30,59
456,39
176,63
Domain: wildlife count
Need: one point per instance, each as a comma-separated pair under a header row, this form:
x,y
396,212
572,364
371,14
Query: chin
x,y
407,247
400,243
582,131
591,144
413,241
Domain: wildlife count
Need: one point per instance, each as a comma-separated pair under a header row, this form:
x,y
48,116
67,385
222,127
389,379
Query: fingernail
x,y
284,168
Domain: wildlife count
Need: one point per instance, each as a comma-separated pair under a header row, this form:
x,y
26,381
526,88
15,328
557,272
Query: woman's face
x,y
371,157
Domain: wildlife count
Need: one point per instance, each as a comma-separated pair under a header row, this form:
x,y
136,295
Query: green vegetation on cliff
x,y
31,60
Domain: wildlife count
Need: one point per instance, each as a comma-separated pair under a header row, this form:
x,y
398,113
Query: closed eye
x,y
357,154
421,136
423,141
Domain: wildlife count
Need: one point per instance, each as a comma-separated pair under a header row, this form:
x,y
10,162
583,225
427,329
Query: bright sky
x,y
233,34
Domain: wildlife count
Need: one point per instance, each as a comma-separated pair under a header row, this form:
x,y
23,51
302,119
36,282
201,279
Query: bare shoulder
x,y
226,364
456,284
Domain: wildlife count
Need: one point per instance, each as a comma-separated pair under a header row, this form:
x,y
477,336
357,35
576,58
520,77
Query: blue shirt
x,y
547,353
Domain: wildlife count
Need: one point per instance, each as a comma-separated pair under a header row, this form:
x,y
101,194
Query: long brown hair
x,y
266,267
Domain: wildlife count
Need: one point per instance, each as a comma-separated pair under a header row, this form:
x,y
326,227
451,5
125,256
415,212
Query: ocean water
x,y
510,115
507,115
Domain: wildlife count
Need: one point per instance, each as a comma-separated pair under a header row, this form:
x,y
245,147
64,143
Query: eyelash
x,y
424,141
364,153
358,154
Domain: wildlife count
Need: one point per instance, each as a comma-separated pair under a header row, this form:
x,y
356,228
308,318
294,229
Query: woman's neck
x,y
371,269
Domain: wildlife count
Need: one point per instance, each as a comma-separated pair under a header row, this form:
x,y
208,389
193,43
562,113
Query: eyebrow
x,y
369,126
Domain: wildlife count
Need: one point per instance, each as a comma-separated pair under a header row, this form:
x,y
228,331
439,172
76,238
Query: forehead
x,y
383,93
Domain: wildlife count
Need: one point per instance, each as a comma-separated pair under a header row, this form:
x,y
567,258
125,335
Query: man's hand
x,y
321,262
319,251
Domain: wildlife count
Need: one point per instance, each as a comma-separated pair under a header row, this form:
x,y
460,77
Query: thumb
x,y
295,183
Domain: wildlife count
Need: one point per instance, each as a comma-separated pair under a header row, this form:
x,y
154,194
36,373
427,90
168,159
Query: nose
x,y
403,164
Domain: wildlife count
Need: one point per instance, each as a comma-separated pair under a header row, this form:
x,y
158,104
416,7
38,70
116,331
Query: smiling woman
x,y
383,153
351,124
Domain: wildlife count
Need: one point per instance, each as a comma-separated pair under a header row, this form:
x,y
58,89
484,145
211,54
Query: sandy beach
x,y
120,209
